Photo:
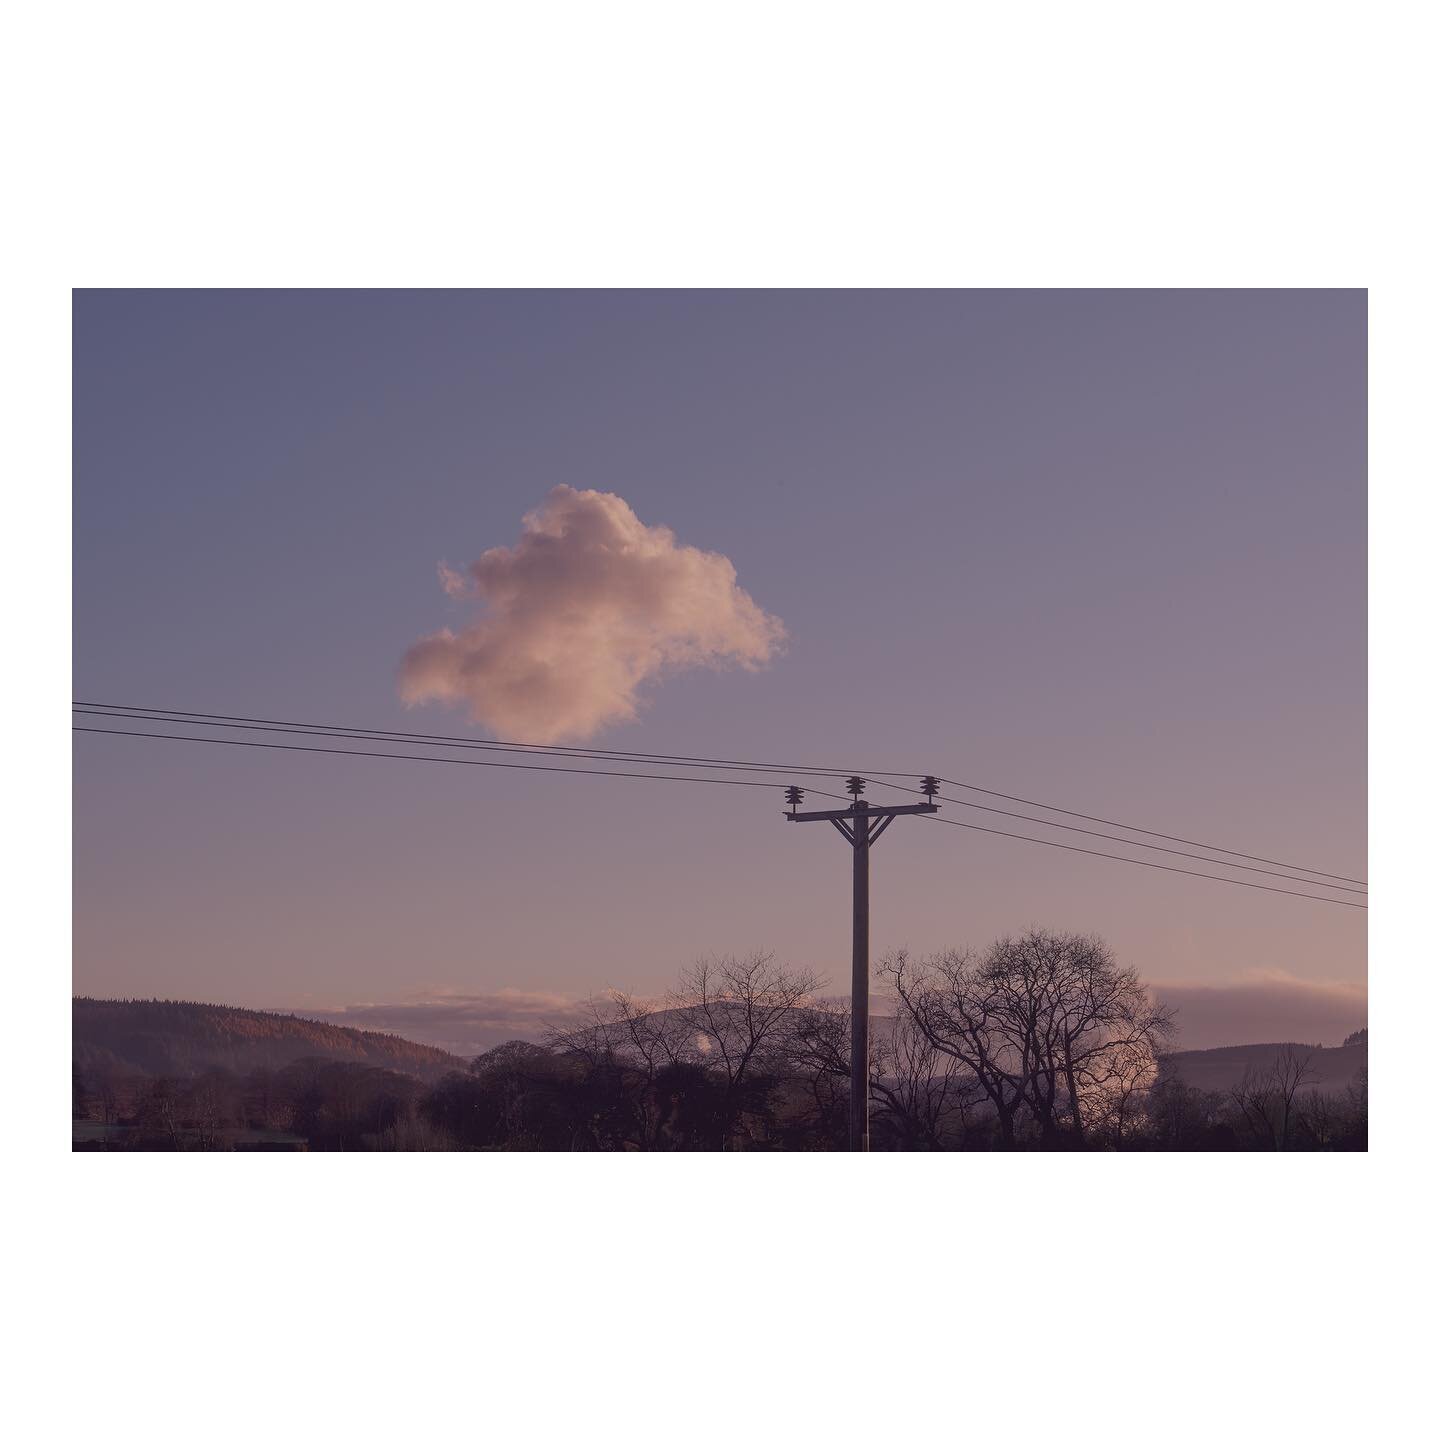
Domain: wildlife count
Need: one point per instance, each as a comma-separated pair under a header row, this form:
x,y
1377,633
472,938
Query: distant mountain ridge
x,y
1331,1067
185,1038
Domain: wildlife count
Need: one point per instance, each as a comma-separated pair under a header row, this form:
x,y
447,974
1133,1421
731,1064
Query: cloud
x,y
462,1024
1259,1007
1263,1006
588,606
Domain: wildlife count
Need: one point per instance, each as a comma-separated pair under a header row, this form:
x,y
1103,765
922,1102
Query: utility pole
x,y
862,825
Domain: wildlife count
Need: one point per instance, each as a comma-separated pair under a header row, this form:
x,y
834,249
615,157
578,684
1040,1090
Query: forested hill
x,y
181,1038
1329,1068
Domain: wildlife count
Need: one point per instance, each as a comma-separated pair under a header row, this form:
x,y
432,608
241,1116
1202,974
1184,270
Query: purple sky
x,y
1105,549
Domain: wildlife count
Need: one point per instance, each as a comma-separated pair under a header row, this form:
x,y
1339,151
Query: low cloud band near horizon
x,y
1259,1008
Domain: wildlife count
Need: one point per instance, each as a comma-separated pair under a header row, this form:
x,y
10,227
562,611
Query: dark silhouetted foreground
x,y
1040,1042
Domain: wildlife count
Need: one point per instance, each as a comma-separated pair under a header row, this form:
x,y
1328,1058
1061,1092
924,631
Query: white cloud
x,y
586,608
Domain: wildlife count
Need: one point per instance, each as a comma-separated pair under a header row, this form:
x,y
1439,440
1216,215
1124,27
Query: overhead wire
x,y
1150,864
1125,859
694,779
433,759
707,762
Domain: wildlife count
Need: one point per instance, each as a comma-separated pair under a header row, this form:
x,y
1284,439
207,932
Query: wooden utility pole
x,y
862,825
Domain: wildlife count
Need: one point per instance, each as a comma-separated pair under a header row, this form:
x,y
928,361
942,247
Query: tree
x,y
1321,1118
1335,1120
1114,1106
214,1106
520,1096
108,1090
1181,1117
1265,1097
700,1068
261,1103
921,1093
818,1051
918,1094
161,1117
741,1017
1357,1101
464,1109
1047,1025
953,1003
1086,1029
624,1045
513,1079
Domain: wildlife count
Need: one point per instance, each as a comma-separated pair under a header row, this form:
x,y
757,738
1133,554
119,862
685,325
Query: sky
x,y
1103,549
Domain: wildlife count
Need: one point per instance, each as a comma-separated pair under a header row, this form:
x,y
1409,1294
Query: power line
x,y
1125,859
1150,864
710,762
399,738
837,771
1162,849
1117,839
433,759
693,779
1139,830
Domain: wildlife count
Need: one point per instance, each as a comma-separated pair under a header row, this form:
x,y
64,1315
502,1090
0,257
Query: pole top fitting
x,y
855,785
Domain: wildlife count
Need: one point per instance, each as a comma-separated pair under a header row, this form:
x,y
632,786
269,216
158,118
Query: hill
x,y
182,1038
1333,1068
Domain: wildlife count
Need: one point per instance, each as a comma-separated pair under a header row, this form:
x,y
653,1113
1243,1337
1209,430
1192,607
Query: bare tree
x,y
1047,1022
161,1114
1180,1117
1114,1101
740,1015
819,1049
922,1092
728,1026
631,1041
213,1107
1357,1099
1086,1029
1322,1117
953,1002
918,1093
1266,1097
1293,1068
413,1132
108,1090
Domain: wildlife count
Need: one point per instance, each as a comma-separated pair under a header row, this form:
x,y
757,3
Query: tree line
x,y
1040,1041
184,1037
